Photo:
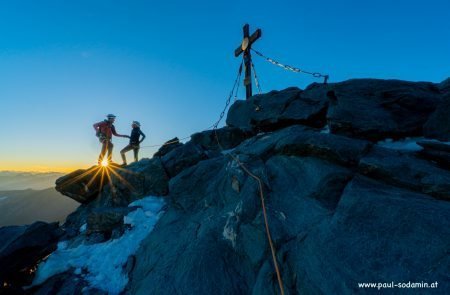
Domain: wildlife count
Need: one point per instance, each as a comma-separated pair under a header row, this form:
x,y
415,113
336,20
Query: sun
x,y
104,163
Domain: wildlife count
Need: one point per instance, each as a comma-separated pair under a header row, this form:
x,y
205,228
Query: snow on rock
x,y
406,144
102,264
325,129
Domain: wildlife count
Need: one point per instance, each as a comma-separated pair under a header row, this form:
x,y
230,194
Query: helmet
x,y
136,123
110,116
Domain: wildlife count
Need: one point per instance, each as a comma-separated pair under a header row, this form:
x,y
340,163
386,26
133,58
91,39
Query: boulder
x,y
304,141
168,146
229,137
263,145
335,148
376,109
438,124
182,157
105,220
405,170
139,179
277,109
81,185
22,248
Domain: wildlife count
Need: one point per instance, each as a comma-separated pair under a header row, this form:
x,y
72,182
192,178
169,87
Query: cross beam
x,y
244,49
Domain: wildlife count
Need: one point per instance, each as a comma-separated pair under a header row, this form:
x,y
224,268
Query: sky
x,y
64,65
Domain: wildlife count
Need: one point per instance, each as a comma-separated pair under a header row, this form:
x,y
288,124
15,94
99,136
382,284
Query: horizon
x,y
64,66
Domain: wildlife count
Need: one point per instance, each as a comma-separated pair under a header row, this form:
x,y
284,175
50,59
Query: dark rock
x,y
106,219
66,283
22,248
434,145
139,179
263,145
277,109
406,170
335,148
438,124
437,152
182,157
197,236
167,147
229,137
82,185
122,186
444,86
378,233
303,192
376,109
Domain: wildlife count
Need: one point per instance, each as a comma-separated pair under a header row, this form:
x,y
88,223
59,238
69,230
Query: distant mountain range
x,y
26,197
11,180
27,206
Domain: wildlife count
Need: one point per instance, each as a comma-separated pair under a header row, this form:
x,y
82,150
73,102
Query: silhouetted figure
x,y
135,141
104,131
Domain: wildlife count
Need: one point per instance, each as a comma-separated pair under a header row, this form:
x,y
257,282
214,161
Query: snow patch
x,y
405,144
325,129
102,264
83,228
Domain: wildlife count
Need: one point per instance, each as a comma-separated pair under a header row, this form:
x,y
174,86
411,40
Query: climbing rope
x,y
257,179
292,69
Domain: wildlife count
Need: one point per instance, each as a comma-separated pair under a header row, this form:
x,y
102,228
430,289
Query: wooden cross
x,y
245,47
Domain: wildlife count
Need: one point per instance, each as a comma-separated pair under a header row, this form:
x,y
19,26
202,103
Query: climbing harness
x,y
292,69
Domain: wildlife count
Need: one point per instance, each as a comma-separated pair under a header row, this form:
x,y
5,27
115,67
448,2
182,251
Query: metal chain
x,y
293,69
228,101
259,182
256,79
213,126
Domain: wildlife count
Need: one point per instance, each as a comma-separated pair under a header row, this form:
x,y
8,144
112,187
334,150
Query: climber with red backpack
x,y
104,131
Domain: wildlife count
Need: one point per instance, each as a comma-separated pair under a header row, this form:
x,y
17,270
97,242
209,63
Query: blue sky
x,y
170,64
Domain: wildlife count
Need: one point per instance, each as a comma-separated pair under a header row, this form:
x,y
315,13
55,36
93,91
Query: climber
x,y
104,131
134,142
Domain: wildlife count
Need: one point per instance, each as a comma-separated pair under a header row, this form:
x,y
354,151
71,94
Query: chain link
x,y
230,96
256,79
293,69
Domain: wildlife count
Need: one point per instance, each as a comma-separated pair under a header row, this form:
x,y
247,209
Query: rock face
x,y
81,185
229,137
341,209
277,109
329,196
21,249
376,109
438,124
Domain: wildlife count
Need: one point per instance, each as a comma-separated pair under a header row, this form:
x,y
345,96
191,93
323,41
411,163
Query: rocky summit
x,y
355,178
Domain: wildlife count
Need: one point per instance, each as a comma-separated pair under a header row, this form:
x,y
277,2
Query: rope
x,y
260,187
292,69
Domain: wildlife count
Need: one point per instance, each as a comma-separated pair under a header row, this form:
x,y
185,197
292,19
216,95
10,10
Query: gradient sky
x,y
170,64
